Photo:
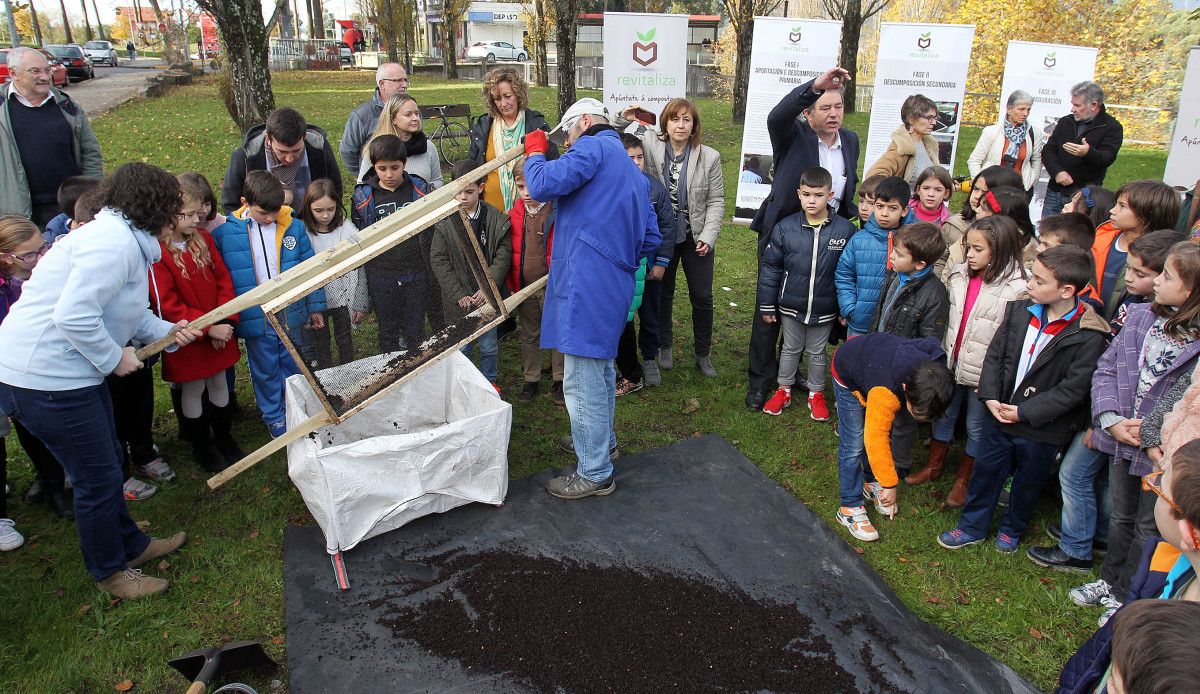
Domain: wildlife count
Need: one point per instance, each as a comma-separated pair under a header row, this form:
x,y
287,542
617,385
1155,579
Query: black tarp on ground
x,y
697,508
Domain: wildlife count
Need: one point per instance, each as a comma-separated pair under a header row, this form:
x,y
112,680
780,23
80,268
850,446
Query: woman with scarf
x,y
401,116
509,118
1011,143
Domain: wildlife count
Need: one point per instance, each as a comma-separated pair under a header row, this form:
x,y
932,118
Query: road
x,y
113,86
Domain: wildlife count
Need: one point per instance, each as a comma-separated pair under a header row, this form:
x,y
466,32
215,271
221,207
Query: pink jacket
x,y
1182,424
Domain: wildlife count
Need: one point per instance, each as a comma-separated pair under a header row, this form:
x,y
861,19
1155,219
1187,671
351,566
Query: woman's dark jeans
x,y
698,269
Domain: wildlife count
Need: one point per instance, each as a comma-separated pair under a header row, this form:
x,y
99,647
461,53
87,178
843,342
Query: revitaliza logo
x,y
924,40
645,51
794,34
1050,60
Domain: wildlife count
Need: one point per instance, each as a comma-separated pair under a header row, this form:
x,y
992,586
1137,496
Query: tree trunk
x,y
172,53
317,22
568,21
37,26
66,20
99,24
452,49
852,24
247,94
387,25
541,61
286,22
87,24
741,71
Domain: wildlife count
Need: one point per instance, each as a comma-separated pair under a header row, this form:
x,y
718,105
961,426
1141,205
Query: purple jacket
x,y
10,291
1115,382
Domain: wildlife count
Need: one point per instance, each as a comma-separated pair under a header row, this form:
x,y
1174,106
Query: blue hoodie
x,y
860,273
87,300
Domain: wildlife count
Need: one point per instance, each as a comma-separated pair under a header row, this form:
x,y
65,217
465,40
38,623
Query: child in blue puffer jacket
x,y
257,242
864,263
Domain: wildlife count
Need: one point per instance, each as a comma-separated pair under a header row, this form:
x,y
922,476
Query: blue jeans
x,y
590,389
270,365
1031,463
977,414
78,428
1086,507
1054,202
853,469
489,354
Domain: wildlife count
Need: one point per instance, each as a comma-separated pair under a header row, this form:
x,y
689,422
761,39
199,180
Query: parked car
x,y
58,72
496,50
101,52
345,54
79,66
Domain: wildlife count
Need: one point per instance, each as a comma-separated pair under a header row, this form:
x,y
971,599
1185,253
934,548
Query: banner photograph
x,y
929,59
786,54
645,59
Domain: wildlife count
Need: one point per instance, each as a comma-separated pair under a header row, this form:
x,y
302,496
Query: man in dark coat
x,y
798,144
287,146
1081,148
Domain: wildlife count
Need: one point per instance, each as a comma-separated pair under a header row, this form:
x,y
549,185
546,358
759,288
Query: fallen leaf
x,y
860,550
278,640
691,405
225,638
1046,581
902,560
253,534
266,489
935,564
963,599
59,592
237,601
164,565
1036,633
999,601
933,600
124,685
83,609
195,579
164,636
143,525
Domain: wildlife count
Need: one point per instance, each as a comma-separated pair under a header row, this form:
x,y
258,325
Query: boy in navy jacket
x,y
1035,382
795,287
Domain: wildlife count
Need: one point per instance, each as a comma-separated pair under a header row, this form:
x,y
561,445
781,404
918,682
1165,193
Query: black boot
x,y
203,453
177,407
62,504
222,425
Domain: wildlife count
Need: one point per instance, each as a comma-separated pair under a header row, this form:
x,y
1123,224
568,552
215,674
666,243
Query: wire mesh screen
x,y
367,328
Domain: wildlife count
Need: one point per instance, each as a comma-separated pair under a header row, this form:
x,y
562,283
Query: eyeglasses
x,y
930,116
1153,483
402,80
31,255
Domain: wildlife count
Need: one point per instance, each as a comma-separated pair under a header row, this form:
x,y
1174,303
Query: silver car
x,y
101,52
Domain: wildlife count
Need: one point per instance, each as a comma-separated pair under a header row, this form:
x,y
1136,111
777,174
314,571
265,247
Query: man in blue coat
x,y
605,226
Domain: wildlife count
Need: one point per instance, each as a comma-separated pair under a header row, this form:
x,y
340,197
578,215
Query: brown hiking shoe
x,y
158,548
132,584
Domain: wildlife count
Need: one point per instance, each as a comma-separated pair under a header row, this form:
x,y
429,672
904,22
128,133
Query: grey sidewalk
x,y
114,86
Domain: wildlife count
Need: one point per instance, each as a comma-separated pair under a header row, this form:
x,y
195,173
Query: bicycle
x,y
452,139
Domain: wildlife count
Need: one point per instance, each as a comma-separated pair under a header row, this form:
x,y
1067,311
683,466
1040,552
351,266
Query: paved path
x,y
114,86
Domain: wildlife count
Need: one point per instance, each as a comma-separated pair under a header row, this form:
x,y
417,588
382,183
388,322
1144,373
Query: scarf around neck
x,y
503,139
1015,134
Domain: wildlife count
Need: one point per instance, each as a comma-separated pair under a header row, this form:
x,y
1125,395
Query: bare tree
x,y
539,20
246,85
66,20
173,52
453,12
853,16
99,24
567,12
741,18
87,24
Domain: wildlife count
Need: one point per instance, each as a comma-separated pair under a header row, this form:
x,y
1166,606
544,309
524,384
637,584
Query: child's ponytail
x,y
1184,260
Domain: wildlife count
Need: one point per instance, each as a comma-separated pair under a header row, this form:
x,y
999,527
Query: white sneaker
x,y
856,521
1091,594
157,470
1111,605
871,492
137,490
10,539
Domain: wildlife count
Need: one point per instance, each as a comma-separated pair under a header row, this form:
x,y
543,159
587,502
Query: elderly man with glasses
x,y
296,152
390,79
1081,148
45,138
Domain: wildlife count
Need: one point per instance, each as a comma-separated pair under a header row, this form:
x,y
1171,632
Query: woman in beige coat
x,y
1011,143
913,148
980,288
691,173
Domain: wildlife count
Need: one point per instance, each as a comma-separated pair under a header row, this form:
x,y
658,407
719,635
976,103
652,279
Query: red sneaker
x,y
781,399
816,405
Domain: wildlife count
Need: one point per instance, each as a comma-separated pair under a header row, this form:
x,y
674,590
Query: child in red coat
x,y
189,281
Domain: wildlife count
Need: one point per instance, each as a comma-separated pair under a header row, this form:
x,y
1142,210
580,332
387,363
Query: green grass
x,y
60,634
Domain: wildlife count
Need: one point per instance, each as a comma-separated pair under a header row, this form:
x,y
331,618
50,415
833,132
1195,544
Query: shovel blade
x,y
236,655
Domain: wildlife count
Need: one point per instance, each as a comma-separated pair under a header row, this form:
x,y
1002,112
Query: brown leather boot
x,y
937,459
958,493
131,584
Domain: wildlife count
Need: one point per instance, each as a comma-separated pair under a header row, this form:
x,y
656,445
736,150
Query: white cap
x,y
585,106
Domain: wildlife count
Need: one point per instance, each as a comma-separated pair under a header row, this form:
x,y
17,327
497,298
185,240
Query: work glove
x,y
536,143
